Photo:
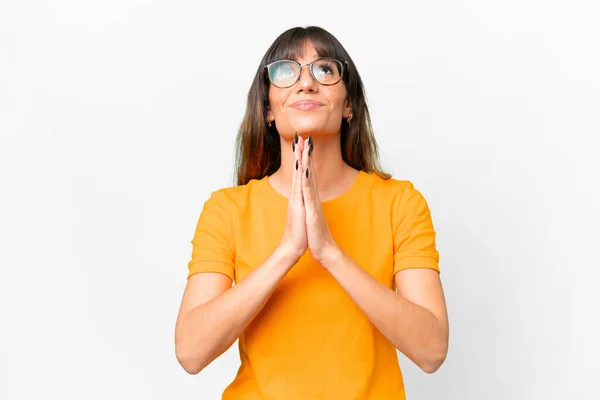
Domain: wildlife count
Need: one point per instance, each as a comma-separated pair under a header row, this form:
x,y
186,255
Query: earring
x,y
268,122
349,118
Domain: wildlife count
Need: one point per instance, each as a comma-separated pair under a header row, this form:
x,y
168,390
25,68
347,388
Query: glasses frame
x,y
310,68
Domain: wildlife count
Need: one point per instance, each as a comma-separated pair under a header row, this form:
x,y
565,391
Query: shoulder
x,y
392,188
233,197
400,195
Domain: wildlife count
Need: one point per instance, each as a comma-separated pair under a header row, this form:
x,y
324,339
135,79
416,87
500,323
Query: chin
x,y
308,127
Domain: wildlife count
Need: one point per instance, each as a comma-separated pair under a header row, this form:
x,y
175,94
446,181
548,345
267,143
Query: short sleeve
x,y
212,245
414,235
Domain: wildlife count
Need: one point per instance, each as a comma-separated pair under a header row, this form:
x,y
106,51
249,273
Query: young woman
x,y
334,262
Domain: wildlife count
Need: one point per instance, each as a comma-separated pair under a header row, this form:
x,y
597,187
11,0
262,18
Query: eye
x,y
323,69
283,70
327,71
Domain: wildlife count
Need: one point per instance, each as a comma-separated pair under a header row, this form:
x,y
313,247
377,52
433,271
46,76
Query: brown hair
x,y
258,151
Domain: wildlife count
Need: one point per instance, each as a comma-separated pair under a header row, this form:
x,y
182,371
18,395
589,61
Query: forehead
x,y
303,51
308,53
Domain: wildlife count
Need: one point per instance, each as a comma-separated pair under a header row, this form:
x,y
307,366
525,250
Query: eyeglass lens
x,y
285,73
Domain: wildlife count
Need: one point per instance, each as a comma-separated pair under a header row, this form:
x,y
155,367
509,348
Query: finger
x,y
312,179
305,151
307,191
296,193
294,173
299,147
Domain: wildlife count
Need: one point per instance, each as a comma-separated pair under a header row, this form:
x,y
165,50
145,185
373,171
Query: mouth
x,y
306,105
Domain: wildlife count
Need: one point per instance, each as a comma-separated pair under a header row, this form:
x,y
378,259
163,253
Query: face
x,y
308,107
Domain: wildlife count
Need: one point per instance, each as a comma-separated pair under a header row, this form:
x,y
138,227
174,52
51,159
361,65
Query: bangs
x,y
291,45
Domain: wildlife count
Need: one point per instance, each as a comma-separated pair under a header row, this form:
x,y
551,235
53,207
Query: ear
x,y
270,116
347,108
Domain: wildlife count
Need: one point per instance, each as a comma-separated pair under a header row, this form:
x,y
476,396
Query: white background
x,y
118,118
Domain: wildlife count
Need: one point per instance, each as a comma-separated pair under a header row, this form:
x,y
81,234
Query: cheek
x,y
337,99
277,98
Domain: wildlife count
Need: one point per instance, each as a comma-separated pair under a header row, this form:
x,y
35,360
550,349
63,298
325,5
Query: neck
x,y
329,166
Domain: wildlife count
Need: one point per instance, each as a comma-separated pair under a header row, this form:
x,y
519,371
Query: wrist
x,y
331,256
286,255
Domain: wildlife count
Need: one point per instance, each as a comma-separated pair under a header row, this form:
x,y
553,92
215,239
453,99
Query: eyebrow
x,y
315,57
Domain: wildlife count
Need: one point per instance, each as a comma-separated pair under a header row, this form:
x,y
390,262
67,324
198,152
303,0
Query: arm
x,y
414,320
213,314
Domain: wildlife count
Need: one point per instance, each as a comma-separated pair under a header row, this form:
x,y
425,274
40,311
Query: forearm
x,y
412,329
211,328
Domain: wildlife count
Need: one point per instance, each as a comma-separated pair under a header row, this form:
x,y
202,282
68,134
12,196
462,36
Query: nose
x,y
306,82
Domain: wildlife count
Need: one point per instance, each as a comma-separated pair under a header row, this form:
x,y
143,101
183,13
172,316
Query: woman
x,y
334,262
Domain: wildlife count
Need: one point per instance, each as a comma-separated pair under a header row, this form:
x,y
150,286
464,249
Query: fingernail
x,y
293,147
307,172
296,138
296,165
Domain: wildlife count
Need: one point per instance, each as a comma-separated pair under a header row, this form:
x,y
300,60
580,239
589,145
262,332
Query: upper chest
x,y
364,233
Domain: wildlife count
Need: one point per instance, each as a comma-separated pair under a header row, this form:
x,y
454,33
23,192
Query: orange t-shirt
x,y
311,341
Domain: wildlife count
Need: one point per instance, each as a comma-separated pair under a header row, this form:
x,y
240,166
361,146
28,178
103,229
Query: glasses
x,y
285,73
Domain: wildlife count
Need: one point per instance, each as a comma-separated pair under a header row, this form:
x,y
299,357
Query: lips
x,y
306,104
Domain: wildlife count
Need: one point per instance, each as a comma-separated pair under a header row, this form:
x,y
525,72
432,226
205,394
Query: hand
x,y
295,240
320,242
